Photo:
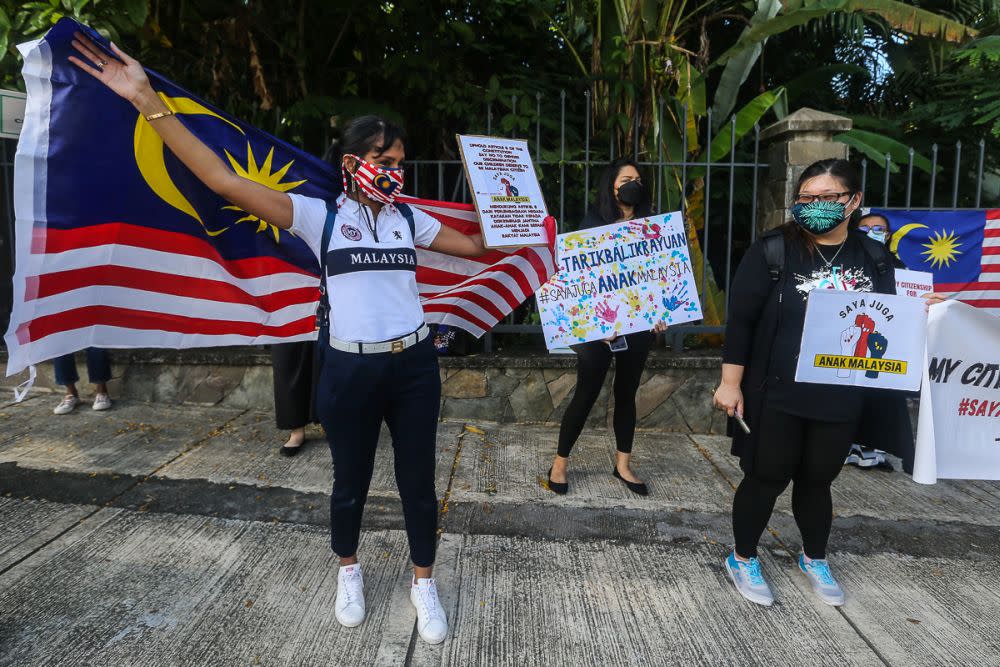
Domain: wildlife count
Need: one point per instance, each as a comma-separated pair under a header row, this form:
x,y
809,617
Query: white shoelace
x,y
428,597
352,586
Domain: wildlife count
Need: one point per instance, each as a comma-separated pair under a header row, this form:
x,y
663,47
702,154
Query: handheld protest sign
x,y
619,279
914,283
505,191
862,339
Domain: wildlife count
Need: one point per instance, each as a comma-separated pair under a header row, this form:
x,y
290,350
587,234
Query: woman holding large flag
x,y
795,432
377,359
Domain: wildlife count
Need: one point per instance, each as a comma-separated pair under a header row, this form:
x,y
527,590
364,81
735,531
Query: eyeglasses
x,y
829,196
877,228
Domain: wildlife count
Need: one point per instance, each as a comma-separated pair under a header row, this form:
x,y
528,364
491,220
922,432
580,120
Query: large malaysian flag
x,y
118,245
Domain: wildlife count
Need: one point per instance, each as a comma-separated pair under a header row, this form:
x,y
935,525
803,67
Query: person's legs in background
x,y
98,373
295,372
67,376
592,362
629,365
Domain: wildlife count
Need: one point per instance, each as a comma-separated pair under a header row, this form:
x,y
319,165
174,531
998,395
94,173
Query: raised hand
x,y
877,345
126,76
849,338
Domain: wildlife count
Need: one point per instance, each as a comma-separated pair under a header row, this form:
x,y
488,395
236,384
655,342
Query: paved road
x,y
162,535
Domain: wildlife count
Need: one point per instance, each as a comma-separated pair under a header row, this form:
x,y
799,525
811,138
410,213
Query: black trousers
x,y
592,363
296,374
806,452
357,392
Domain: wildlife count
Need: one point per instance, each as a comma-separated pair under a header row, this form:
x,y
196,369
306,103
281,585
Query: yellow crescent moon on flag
x,y
898,235
148,148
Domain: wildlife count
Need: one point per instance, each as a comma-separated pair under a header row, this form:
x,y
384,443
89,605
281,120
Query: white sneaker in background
x,y
102,402
431,621
66,405
350,605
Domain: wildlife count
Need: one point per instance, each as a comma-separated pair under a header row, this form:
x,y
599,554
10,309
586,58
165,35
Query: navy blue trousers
x,y
98,367
357,392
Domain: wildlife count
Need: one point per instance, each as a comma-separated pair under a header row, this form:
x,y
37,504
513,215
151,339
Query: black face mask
x,y
631,193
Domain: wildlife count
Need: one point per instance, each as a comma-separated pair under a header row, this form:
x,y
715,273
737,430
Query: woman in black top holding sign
x,y
799,432
621,196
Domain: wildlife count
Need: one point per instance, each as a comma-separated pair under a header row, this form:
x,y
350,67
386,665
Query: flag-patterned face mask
x,y
379,183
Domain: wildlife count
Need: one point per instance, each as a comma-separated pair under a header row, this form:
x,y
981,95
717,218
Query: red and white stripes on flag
x,y
122,285
475,294
985,292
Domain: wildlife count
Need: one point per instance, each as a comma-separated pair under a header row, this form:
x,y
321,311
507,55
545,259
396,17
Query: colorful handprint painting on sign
x,y
619,279
862,339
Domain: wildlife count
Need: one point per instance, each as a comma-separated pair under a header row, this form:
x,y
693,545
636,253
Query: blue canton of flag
x,y
119,245
948,244
960,248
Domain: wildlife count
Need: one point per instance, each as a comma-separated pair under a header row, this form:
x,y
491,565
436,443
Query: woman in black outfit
x,y
621,196
799,432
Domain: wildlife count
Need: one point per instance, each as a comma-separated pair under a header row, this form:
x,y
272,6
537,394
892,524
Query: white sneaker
x,y
102,402
822,580
431,621
350,605
66,405
749,580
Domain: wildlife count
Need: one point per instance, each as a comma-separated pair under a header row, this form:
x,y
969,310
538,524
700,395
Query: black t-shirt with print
x,y
805,273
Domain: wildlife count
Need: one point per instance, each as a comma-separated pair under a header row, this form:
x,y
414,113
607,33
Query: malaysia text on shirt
x,y
371,276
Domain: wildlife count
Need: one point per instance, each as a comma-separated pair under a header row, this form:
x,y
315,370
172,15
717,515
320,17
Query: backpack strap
x,y
774,253
878,253
408,214
323,309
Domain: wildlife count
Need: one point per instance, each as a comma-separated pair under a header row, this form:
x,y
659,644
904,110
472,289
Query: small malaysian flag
x,y
960,248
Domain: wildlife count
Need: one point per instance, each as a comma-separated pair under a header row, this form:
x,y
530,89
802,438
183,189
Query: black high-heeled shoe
x,y
639,488
560,488
291,451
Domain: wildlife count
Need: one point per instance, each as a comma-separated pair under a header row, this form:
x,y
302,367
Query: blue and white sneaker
x,y
823,583
749,580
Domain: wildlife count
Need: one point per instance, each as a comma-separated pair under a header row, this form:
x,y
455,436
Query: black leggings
x,y
592,362
791,448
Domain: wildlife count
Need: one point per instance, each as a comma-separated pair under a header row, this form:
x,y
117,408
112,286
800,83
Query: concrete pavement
x,y
162,535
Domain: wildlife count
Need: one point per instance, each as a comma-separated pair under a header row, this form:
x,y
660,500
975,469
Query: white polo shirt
x,y
371,284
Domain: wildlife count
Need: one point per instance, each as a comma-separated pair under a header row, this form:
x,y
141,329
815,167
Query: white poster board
x,y
958,430
913,283
619,279
11,113
862,339
505,191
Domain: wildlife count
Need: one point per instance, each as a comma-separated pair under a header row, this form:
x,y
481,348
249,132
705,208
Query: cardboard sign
x,y
913,283
619,279
11,113
505,191
862,339
958,431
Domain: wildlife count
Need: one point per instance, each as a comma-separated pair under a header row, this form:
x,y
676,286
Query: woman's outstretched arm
x,y
128,79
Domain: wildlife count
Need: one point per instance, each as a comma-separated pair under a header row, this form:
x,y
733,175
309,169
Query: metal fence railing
x,y
906,195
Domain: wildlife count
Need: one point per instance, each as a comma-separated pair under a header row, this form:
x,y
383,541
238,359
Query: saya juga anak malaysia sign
x,y
863,339
619,279
505,189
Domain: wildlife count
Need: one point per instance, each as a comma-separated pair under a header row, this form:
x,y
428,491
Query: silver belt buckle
x,y
398,346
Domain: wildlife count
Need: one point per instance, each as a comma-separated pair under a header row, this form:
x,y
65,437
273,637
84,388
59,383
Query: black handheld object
x,y
619,344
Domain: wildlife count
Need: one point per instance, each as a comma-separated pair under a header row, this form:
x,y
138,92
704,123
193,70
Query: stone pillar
x,y
789,146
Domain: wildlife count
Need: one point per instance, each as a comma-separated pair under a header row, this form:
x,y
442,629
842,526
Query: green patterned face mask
x,y
819,217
